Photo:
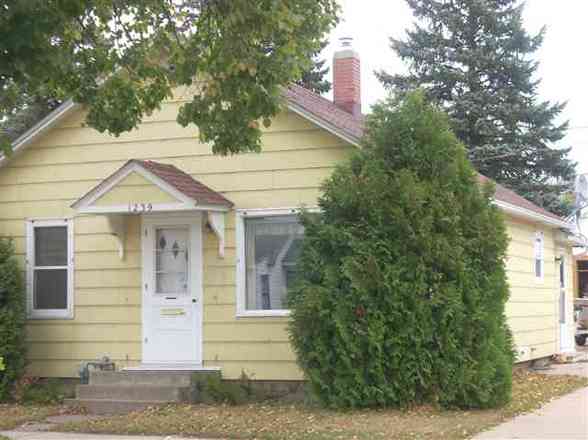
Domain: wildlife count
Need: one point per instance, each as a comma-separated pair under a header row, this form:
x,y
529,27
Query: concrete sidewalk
x,y
18,435
563,419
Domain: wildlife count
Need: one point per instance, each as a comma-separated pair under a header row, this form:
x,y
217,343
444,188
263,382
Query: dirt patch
x,y
12,415
277,421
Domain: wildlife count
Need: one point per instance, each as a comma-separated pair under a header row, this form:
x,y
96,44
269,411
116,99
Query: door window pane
x,y
171,260
272,246
50,289
51,246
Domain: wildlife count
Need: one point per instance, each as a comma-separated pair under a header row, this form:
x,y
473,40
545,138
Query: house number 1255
x,y
139,208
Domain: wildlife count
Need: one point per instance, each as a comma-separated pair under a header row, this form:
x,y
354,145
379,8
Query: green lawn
x,y
272,421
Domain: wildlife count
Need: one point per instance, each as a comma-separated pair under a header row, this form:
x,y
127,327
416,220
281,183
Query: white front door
x,y
566,339
172,289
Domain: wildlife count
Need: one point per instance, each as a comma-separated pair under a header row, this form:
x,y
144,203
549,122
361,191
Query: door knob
x,y
194,300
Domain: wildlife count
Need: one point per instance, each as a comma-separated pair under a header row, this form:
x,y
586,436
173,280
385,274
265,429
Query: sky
x,y
563,58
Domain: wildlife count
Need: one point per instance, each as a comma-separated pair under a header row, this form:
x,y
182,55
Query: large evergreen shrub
x,y
403,286
12,319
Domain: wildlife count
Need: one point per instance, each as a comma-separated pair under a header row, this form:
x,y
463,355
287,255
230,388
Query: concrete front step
x,y
167,378
112,392
168,393
109,406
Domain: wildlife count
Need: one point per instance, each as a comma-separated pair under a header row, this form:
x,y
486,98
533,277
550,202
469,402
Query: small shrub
x,y
402,292
12,319
213,389
40,392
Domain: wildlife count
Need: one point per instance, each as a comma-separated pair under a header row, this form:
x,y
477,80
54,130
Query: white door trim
x,y
194,221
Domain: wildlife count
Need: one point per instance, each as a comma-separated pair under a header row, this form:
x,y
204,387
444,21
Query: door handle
x,y
171,297
194,300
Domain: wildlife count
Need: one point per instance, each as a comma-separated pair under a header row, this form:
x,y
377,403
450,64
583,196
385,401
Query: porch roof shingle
x,y
184,183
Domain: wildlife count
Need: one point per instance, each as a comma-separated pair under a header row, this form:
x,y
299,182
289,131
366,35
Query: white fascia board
x,y
69,106
158,207
517,211
323,124
20,143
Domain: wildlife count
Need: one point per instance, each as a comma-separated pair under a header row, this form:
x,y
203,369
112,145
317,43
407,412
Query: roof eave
x,y
69,106
517,211
353,140
20,143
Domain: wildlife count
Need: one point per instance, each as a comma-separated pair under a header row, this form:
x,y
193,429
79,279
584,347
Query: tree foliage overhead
x,y
474,58
123,58
27,111
402,276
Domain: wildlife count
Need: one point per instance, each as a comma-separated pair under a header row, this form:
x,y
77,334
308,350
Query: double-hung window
x,y
50,269
539,246
269,244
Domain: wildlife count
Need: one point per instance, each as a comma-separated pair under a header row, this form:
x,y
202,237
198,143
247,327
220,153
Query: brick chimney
x,y
346,78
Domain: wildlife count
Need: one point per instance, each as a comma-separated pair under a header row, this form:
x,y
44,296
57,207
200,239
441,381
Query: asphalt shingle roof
x,y
184,183
353,127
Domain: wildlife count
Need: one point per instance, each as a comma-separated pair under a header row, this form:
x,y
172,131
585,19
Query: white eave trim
x,y
518,211
322,123
68,106
149,208
40,127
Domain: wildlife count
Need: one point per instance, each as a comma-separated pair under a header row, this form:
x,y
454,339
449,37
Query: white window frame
x,y
539,254
240,216
32,313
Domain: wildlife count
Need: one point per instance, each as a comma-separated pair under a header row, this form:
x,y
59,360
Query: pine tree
x,y
474,58
402,283
314,78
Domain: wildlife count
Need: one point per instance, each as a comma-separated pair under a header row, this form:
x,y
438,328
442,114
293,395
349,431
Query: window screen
x,y
50,268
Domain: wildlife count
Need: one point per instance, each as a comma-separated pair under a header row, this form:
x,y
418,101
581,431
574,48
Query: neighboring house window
x,y
539,249
50,269
269,247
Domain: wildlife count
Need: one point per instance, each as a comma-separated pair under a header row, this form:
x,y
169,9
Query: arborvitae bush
x,y
12,319
402,283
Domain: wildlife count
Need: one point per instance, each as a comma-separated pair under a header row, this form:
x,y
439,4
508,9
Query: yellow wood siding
x,y
297,156
134,188
70,160
533,308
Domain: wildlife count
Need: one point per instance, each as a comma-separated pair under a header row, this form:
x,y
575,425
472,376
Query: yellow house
x,y
149,249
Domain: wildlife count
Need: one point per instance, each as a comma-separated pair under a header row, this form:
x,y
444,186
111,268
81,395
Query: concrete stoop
x,y
118,392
